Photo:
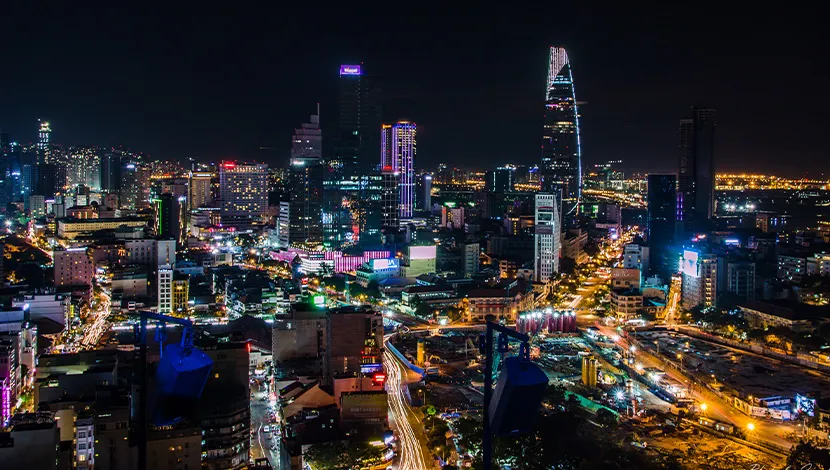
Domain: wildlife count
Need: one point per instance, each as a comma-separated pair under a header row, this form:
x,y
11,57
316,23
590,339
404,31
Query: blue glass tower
x,y
561,155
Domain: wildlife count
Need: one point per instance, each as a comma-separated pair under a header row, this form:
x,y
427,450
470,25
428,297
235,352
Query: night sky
x,y
211,83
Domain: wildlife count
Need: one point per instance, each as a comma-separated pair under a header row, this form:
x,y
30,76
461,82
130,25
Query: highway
x,y
412,452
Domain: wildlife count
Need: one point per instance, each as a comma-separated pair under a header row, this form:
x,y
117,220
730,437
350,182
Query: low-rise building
x,y
796,317
626,301
504,301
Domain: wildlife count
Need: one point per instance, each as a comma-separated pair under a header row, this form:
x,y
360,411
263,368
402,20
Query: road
x,y
263,444
716,407
412,452
101,310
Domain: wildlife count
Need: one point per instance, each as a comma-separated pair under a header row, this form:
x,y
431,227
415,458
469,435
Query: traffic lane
x,y
263,444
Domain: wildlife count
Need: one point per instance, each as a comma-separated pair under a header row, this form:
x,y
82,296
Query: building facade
x,y
696,175
561,154
243,191
547,237
662,214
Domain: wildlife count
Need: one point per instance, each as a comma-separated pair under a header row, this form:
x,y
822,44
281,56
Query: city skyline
x,y
178,109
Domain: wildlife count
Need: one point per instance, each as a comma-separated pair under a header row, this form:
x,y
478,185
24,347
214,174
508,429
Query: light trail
x,y
411,451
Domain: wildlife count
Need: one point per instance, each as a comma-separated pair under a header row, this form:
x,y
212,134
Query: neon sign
x,y
350,70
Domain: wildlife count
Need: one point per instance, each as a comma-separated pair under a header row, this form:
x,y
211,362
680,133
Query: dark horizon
x,y
218,87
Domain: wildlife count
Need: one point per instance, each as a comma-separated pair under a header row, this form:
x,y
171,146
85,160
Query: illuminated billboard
x,y
382,264
422,252
689,263
350,70
364,406
805,405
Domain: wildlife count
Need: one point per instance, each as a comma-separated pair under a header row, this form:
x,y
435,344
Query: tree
x,y
806,455
567,265
606,419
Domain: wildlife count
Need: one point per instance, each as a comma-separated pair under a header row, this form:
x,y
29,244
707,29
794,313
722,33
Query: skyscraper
x,y
499,180
243,191
561,153
662,213
200,194
358,140
423,189
696,176
402,158
171,217
111,169
390,199
307,141
301,216
547,238
44,134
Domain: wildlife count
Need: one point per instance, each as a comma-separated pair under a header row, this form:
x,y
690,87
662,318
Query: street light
x,y
703,406
750,427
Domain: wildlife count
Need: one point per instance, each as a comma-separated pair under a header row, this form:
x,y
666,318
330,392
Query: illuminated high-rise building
x,y
243,189
307,141
547,238
402,159
423,190
171,217
300,218
390,199
662,213
358,140
44,136
696,175
561,154
199,188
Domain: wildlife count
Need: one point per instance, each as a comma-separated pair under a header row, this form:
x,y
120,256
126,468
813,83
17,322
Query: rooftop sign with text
x,y
350,70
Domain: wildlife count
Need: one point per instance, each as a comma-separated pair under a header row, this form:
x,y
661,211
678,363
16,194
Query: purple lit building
x,y
398,155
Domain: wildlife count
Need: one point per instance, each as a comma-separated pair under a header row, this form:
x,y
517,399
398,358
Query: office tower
x,y
307,141
423,192
111,172
300,216
300,343
200,194
547,238
171,217
45,180
27,180
44,134
561,153
73,267
356,341
740,279
696,176
243,190
636,257
386,146
699,279
358,140
390,200
662,213
130,193
470,258
499,180
180,293
403,152
165,289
